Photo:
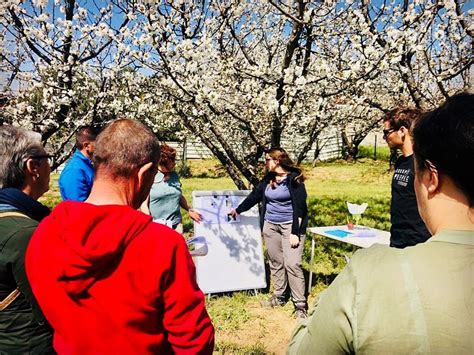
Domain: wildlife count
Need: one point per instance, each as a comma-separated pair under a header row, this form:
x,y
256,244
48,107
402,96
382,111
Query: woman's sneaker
x,y
301,310
273,301
301,314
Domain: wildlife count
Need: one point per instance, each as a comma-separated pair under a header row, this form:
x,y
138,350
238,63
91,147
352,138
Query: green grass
x,y
52,197
358,180
367,151
229,313
223,347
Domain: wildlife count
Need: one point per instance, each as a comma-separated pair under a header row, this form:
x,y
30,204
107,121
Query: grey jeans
x,y
285,261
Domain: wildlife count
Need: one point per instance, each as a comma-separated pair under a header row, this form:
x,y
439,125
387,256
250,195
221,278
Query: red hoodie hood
x,y
90,240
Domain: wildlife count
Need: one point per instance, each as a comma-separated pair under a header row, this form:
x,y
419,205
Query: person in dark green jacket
x,y
24,177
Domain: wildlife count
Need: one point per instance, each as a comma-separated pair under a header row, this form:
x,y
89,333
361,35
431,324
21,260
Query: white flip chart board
x,y
235,255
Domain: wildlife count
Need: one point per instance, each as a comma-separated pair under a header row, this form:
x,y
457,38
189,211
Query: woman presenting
x,y
166,196
284,218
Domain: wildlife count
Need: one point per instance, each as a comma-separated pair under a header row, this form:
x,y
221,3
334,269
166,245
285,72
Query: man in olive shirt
x,y
397,301
417,300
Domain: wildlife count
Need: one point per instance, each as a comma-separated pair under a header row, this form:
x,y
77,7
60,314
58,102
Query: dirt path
x,y
269,327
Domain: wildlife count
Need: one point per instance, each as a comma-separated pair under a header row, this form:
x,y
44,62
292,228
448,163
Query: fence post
x,y
185,153
375,148
339,146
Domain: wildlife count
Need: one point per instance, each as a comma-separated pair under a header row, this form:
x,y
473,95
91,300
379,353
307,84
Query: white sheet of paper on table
x,y
364,233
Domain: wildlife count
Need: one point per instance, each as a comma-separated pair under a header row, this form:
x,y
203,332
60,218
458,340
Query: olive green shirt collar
x,y
453,236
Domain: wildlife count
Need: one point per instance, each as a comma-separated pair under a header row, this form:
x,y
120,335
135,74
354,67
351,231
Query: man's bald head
x,y
124,146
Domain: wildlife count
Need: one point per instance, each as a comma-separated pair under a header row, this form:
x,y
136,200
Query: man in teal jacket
x,y
76,179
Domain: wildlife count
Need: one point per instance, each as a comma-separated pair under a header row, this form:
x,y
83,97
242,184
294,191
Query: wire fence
x,y
327,147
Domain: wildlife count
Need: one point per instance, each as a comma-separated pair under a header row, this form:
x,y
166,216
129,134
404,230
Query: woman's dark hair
x,y
444,138
286,163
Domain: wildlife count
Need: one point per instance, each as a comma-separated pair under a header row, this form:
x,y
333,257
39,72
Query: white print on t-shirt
x,y
402,176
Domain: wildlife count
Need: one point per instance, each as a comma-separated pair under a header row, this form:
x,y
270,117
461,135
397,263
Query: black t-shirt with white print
x,y
407,226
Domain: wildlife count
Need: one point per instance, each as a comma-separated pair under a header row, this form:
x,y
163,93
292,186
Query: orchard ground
x,y
242,326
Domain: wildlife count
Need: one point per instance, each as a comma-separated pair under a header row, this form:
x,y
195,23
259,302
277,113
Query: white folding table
x,y
353,236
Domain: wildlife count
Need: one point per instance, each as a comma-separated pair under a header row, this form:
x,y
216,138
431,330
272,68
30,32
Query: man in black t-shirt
x,y
407,227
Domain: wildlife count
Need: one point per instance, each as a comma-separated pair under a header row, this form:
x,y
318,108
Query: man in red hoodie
x,y
108,279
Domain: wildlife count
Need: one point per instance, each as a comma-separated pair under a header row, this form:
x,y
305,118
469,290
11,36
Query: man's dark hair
x,y
402,117
86,134
444,138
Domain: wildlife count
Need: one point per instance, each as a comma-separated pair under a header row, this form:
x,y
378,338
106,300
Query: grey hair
x,y
17,145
